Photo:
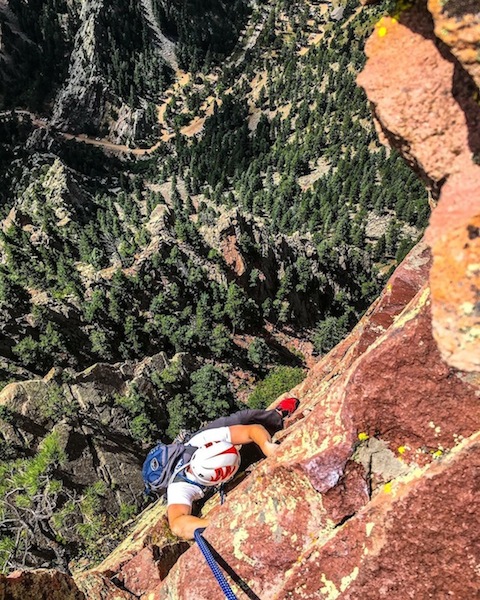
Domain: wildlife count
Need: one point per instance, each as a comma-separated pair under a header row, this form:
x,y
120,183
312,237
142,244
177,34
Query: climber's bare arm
x,y
182,522
245,434
180,518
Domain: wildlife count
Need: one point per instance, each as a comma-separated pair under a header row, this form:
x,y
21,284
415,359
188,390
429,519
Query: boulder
x,y
434,122
96,585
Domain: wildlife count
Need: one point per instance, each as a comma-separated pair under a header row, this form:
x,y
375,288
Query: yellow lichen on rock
x,y
329,589
347,580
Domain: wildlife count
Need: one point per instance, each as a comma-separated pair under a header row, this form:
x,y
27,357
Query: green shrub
x,y
259,352
220,342
6,414
7,549
211,392
132,402
137,406
172,374
142,429
277,382
126,512
209,397
33,474
181,415
57,406
329,333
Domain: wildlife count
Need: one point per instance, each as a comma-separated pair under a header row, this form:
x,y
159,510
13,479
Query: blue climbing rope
x,y
227,590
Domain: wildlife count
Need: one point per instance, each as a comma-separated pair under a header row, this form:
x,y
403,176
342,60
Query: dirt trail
x,y
165,135
182,80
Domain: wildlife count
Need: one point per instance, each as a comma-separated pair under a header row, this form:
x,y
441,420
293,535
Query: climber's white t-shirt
x,y
182,492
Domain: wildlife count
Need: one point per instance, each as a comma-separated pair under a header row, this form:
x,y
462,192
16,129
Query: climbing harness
x,y
212,563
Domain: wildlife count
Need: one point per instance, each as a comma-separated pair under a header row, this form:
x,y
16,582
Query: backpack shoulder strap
x,y
182,465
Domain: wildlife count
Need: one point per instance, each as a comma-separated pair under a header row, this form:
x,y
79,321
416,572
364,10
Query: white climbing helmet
x,y
215,463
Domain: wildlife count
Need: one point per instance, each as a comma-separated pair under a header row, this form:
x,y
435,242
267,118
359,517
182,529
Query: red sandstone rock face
x,y
402,391
427,107
312,507
402,287
142,572
99,587
39,585
400,545
455,276
232,255
457,23
139,563
416,113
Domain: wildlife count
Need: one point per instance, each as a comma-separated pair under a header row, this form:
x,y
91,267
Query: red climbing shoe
x,y
287,406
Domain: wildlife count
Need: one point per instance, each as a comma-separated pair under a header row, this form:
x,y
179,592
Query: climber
x,y
217,459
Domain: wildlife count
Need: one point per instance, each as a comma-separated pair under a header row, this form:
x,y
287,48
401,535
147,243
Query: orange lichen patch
x,y
454,234
462,35
455,285
459,202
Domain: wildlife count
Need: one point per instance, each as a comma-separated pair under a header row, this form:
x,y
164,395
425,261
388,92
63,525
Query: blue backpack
x,y
159,466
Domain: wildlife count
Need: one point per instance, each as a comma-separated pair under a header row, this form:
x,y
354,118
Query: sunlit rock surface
x,y
425,99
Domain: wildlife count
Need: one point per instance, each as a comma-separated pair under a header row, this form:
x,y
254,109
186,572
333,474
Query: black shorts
x,y
270,419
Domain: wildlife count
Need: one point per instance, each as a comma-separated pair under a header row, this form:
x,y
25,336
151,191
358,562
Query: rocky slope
x,y
233,248
101,68
101,458
373,490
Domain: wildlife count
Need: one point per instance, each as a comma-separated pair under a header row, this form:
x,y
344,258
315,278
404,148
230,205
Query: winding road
x,y
43,123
